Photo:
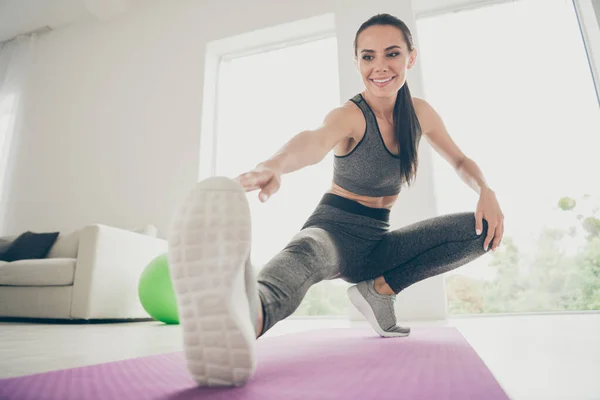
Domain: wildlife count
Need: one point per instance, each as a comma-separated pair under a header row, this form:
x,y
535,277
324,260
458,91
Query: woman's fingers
x,y
269,189
253,180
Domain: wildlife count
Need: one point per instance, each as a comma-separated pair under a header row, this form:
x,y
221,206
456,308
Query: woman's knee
x,y
466,224
306,256
313,243
304,243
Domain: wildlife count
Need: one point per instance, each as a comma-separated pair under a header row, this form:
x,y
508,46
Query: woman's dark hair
x,y
406,124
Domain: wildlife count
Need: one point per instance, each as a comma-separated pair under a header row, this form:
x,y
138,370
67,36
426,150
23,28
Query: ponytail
x,y
408,134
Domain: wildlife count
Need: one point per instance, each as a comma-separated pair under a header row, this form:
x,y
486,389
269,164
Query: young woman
x,y
375,138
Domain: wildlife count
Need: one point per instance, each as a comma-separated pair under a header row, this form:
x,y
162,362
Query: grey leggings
x,y
337,243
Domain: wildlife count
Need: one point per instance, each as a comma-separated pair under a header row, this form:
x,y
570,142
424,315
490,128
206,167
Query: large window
x,y
514,87
263,100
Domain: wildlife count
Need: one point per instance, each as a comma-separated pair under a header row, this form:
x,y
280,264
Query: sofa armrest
x,y
110,262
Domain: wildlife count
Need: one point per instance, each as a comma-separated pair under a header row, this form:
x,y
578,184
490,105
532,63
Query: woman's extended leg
x,y
216,291
309,258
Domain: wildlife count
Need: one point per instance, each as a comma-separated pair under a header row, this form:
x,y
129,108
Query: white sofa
x,y
92,273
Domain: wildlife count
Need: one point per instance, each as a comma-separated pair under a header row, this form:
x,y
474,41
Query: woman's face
x,y
382,58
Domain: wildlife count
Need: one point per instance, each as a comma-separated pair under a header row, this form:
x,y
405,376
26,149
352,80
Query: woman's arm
x,y
469,172
304,149
487,207
310,147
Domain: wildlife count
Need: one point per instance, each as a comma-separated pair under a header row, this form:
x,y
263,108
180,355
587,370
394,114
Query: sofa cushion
x,y
29,246
47,272
66,245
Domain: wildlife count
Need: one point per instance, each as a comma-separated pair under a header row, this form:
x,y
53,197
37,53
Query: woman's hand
x,y
489,209
262,177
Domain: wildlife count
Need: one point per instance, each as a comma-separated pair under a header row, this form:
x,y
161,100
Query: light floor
x,y
532,357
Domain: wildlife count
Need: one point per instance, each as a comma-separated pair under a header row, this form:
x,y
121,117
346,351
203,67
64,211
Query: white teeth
x,y
387,80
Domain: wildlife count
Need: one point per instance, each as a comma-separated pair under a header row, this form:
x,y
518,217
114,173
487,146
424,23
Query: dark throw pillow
x,y
30,246
4,245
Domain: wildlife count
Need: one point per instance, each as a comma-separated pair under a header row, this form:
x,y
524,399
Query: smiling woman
x,y
375,137
368,55
383,55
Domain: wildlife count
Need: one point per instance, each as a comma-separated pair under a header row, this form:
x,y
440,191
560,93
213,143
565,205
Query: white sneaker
x,y
209,247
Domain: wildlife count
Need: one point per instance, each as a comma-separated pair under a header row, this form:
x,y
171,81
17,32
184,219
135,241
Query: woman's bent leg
x,y
409,255
427,248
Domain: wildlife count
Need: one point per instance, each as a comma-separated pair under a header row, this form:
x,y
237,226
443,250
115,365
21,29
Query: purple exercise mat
x,y
348,364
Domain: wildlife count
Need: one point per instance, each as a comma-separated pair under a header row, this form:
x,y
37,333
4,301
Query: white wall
x,y
431,7
113,115
19,17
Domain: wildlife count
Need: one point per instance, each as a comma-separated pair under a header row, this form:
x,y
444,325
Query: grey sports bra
x,y
370,169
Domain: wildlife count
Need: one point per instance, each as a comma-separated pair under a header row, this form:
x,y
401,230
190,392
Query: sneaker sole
x,y
365,309
209,245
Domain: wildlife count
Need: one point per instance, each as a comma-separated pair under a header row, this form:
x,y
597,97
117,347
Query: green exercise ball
x,y
155,291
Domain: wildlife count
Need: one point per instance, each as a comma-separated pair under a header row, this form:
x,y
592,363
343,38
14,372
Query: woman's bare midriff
x,y
373,202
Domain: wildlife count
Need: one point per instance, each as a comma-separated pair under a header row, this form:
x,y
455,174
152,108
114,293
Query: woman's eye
x,y
395,54
367,58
